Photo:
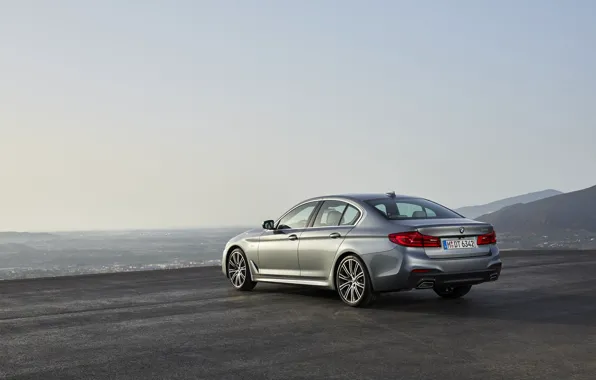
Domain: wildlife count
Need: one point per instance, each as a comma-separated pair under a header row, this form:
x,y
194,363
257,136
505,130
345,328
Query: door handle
x,y
334,235
293,237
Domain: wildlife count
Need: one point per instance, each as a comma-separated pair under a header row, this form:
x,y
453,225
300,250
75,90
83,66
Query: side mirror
x,y
268,224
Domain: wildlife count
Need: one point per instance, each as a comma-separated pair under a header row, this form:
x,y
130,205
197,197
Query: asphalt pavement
x,y
537,322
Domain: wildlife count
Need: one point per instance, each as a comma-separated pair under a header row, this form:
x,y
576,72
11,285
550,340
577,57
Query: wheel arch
x,y
229,251
340,258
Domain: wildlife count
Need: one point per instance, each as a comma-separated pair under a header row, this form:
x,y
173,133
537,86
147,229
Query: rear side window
x,y
330,214
336,213
350,216
411,208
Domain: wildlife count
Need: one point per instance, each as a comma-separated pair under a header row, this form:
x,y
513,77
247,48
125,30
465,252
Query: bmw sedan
x,y
361,245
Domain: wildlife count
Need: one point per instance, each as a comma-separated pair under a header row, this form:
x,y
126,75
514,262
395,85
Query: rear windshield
x,y
411,208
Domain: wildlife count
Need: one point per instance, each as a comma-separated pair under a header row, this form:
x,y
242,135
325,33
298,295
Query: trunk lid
x,y
458,236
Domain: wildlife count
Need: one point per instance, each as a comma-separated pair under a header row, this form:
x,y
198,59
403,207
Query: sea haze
x,y
27,255
560,221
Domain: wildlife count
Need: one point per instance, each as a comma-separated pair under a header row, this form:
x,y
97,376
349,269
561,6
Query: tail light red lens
x,y
414,239
485,239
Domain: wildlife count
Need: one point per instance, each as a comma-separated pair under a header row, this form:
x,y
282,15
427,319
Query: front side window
x,y
298,217
411,208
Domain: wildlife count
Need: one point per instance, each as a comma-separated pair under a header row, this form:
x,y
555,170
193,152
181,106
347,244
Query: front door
x,y
278,248
319,244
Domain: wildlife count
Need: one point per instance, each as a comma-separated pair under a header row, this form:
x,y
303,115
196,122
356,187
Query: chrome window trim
x,y
323,199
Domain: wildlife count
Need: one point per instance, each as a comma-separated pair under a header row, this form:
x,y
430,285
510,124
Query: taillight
x,y
485,239
414,239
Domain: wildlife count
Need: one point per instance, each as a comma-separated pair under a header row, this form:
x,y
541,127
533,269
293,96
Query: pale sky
x,y
148,114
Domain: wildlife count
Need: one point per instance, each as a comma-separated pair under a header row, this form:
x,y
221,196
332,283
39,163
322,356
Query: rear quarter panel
x,y
369,240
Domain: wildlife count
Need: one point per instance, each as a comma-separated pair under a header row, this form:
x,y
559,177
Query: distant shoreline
x,y
120,230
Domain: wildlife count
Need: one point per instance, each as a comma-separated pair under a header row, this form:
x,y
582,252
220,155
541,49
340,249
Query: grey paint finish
x,y
309,255
317,250
277,253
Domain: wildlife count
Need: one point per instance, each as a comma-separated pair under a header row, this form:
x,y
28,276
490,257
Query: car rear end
x,y
449,252
437,247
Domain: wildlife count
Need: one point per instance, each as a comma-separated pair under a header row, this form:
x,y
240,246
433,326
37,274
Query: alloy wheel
x,y
351,281
237,269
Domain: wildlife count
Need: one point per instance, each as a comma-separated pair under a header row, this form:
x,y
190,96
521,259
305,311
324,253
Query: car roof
x,y
360,196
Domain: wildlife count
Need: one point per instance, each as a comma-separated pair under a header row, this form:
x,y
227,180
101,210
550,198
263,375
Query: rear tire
x,y
352,282
452,292
238,271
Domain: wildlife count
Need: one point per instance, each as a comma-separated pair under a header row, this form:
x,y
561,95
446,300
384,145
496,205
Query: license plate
x,y
459,244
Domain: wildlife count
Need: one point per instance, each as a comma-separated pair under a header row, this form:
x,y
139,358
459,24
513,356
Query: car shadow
x,y
299,290
533,306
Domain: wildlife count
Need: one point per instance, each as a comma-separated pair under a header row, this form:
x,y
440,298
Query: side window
x,y
329,214
297,218
350,217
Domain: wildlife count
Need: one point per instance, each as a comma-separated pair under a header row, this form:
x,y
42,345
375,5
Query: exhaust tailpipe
x,y
493,276
426,285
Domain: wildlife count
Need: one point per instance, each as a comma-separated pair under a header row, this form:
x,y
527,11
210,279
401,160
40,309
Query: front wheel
x,y
353,282
452,292
238,271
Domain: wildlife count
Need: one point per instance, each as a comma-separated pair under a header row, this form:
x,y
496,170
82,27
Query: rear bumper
x,y
427,280
398,268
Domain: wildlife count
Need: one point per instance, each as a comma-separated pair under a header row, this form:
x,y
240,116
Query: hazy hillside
x,y
475,211
563,213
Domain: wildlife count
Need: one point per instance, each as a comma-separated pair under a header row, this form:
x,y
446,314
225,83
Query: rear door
x,y
321,240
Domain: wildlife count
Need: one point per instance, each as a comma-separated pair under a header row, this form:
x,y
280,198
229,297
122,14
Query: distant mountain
x,y
473,212
569,212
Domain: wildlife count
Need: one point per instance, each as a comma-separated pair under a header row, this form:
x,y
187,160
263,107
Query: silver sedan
x,y
364,244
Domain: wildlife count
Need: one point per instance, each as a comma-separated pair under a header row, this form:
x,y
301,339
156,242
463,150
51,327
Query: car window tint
x,y
381,207
297,218
329,214
411,208
407,209
350,217
429,212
